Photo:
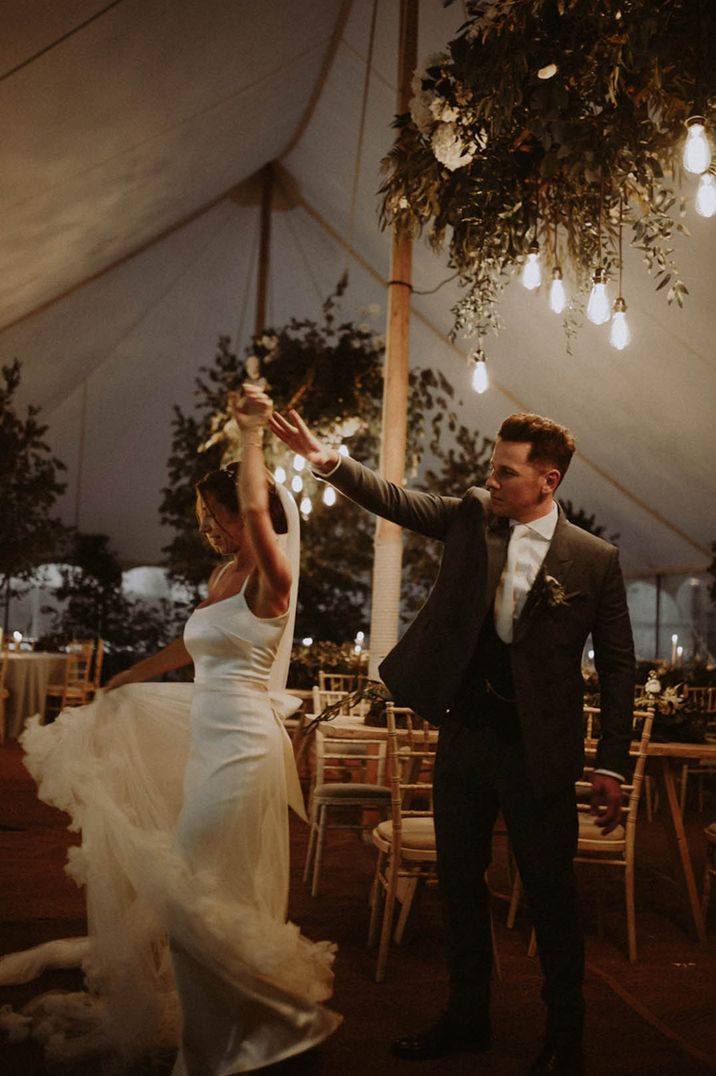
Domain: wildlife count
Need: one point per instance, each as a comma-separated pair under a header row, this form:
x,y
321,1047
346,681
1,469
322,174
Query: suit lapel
x,y
557,563
497,535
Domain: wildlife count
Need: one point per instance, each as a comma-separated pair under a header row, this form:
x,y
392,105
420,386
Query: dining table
x,y
664,762
26,679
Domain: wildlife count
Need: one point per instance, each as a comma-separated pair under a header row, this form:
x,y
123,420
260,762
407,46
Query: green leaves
x,y
558,154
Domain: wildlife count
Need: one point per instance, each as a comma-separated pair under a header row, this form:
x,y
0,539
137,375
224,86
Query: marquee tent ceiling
x,y
132,132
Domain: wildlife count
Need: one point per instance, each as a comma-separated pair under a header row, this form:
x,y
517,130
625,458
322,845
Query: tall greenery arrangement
x,y
542,125
30,483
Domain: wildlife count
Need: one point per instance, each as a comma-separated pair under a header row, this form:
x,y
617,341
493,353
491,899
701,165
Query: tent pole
x,y
267,178
385,606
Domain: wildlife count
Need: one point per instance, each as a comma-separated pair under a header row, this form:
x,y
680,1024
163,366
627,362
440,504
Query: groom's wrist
x,y
325,463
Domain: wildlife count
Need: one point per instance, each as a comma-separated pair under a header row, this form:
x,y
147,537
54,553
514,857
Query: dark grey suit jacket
x,y
426,668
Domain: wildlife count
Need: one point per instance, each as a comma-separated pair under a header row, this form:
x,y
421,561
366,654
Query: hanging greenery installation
x,y
543,129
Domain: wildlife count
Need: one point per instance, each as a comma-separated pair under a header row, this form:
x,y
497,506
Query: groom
x,y
494,659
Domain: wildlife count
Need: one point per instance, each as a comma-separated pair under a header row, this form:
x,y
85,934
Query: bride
x,y
181,795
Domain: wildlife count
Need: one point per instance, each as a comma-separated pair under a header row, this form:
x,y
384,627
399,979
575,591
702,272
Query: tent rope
x,y
250,277
315,97
54,44
361,132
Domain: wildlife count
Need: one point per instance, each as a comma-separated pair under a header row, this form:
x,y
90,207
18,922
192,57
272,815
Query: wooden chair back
x,y
703,698
330,681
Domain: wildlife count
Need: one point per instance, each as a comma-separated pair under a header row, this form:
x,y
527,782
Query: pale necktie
x,y
505,593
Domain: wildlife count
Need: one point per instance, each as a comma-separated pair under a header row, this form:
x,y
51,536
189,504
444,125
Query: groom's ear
x,y
550,480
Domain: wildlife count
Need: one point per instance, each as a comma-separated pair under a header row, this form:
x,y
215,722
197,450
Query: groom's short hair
x,y
550,443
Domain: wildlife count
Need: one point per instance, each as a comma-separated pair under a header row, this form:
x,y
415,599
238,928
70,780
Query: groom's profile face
x,y
519,488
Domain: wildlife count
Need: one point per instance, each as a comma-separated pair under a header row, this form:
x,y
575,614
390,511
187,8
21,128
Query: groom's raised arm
x,y
426,513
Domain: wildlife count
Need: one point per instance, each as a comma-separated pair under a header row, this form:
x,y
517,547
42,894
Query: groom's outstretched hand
x,y
294,432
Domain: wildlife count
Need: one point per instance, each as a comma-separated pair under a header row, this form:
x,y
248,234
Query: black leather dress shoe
x,y
560,1057
445,1037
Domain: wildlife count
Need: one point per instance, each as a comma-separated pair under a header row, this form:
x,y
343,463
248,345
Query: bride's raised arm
x,y
251,411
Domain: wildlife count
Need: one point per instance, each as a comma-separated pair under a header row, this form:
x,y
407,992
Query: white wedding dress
x,y
181,793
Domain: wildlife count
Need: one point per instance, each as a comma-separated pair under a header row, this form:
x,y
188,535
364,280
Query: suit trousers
x,y
478,773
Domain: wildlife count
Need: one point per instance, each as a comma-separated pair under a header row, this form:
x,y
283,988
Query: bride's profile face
x,y
222,528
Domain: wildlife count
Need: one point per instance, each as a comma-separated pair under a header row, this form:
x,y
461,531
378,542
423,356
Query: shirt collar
x,y
544,526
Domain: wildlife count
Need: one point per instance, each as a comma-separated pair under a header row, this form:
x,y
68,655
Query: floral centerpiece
x,y
541,130
674,717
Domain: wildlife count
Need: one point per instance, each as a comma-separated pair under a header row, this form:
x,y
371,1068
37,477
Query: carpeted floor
x,y
657,1017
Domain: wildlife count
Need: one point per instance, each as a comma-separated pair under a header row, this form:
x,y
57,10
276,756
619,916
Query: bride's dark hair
x,y
221,485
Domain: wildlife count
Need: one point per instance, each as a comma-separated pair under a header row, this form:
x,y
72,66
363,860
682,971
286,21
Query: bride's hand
x,y
296,434
251,408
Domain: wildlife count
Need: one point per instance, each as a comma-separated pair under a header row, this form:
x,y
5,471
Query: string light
x,y
557,293
480,380
619,332
306,507
297,483
548,71
706,195
598,308
342,450
532,272
329,496
298,463
697,151
279,475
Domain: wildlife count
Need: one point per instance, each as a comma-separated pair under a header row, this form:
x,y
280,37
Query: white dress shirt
x,y
526,551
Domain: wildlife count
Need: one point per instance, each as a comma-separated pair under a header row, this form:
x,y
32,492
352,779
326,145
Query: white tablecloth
x,y
28,674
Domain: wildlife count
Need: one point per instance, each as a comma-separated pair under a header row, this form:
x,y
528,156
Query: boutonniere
x,y
550,592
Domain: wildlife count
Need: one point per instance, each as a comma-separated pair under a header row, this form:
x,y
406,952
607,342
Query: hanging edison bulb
x,y
306,507
706,195
480,380
532,271
279,475
619,332
557,294
329,496
598,307
697,151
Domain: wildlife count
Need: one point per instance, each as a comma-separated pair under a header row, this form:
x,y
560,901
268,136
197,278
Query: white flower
x,y
420,112
253,367
364,327
442,111
403,202
449,148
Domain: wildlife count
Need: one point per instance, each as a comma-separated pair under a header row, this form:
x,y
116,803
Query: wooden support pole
x,y
267,181
385,609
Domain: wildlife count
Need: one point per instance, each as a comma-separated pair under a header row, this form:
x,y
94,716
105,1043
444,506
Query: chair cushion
x,y
417,833
590,831
351,790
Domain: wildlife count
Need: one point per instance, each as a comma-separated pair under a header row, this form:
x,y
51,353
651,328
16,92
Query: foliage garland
x,y
536,124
